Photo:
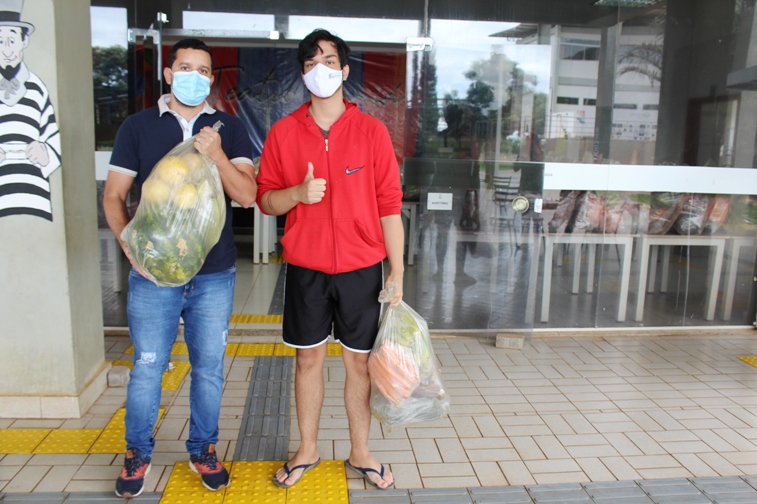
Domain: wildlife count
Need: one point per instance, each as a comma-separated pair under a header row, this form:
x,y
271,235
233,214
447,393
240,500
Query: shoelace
x,y
209,459
132,465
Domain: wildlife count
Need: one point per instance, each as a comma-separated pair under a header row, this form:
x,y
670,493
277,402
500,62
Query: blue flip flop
x,y
363,471
304,467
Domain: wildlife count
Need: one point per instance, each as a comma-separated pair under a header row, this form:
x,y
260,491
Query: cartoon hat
x,y
10,14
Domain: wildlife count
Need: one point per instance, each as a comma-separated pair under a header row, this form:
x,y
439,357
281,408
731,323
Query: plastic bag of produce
x,y
693,215
717,213
664,210
180,216
406,384
591,212
564,210
616,210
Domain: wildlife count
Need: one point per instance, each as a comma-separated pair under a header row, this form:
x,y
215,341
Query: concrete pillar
x,y
51,334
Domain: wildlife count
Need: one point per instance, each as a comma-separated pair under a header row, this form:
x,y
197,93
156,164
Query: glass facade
x,y
629,128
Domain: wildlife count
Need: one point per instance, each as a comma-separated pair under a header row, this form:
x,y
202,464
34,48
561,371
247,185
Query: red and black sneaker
x,y
131,480
214,475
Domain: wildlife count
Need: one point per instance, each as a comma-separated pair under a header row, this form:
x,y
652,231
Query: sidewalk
x,y
560,411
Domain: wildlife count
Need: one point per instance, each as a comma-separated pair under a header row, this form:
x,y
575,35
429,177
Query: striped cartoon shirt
x,y
26,115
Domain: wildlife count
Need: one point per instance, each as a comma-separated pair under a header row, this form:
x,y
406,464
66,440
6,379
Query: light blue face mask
x,y
190,88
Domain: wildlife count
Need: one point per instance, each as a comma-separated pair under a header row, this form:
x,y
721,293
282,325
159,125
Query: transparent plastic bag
x,y
693,215
664,210
591,212
406,383
717,213
180,216
564,211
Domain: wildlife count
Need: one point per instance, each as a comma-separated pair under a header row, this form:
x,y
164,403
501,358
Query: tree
x,y
646,58
109,72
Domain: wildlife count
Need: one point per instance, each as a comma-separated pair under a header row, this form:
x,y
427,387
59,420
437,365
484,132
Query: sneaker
x,y
131,480
214,475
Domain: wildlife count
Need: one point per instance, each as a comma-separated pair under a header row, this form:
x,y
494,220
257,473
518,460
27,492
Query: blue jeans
x,y
205,303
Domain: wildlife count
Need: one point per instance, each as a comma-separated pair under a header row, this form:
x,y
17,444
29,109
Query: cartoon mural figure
x,y
29,138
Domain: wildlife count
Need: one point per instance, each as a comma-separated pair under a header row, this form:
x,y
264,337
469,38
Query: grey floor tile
x,y
505,499
438,491
718,480
625,500
554,487
442,499
656,491
482,491
723,488
733,498
681,499
615,493
662,482
95,498
610,484
146,498
35,498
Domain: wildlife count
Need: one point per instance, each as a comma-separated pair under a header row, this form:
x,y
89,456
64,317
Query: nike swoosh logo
x,y
350,172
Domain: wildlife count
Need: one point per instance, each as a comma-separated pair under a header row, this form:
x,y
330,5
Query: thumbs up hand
x,y
312,189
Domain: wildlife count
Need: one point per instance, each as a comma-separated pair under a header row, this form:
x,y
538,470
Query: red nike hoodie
x,y
342,232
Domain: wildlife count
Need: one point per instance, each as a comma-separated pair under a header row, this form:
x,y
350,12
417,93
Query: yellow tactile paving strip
x,y
21,440
239,350
749,359
112,438
68,441
251,482
245,318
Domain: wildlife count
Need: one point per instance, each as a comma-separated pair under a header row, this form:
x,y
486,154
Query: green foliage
x,y
109,69
171,255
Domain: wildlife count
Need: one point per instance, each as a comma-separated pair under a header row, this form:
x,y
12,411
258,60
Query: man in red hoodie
x,y
332,170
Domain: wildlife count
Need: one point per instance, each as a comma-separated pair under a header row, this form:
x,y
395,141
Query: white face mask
x,y
323,81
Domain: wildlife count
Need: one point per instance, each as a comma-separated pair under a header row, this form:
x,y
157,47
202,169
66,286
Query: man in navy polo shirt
x,y
205,303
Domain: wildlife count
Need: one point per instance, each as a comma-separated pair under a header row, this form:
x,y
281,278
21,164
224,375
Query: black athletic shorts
x,y
314,300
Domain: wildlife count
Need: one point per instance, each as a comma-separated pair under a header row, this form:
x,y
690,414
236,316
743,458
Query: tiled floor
x,y
567,410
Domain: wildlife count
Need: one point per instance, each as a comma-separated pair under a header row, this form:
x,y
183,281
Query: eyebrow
x,y
205,67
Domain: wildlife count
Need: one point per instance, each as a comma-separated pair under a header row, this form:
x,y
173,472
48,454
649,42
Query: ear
x,y
212,79
25,41
167,75
345,72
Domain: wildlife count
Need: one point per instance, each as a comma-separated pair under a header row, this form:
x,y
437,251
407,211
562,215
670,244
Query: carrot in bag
x,y
406,384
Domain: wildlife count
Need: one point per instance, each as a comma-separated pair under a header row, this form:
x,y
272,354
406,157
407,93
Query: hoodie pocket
x,y
356,247
309,243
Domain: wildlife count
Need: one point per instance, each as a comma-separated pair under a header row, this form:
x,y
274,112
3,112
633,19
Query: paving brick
x,y
35,498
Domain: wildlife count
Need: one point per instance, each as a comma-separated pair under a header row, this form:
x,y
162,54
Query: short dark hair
x,y
188,43
309,47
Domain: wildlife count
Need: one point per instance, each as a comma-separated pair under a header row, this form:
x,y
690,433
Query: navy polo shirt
x,y
145,137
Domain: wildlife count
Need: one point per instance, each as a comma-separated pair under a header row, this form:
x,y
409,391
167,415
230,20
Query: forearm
x,y
279,201
115,214
237,183
394,241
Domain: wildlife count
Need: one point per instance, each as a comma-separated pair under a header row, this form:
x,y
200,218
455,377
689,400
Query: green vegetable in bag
x,y
180,216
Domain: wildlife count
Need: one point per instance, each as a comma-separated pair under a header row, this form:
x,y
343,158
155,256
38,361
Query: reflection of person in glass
x,y
331,169
465,184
